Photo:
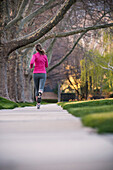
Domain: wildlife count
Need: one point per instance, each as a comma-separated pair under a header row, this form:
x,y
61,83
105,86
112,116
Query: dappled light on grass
x,y
99,102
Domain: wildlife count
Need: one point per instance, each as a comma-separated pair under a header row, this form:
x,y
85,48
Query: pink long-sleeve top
x,y
40,61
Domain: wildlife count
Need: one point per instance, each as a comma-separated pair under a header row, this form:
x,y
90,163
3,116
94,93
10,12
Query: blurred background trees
x,y
79,52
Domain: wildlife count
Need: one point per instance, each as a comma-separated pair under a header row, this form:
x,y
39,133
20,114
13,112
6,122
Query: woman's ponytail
x,y
39,49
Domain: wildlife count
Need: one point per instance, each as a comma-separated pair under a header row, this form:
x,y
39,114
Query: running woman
x,y
39,74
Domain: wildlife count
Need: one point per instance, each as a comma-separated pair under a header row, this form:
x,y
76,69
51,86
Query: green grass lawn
x,y
7,104
64,103
82,111
88,103
103,121
94,113
30,104
26,104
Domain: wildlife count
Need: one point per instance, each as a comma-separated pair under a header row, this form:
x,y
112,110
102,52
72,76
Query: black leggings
x,y
39,81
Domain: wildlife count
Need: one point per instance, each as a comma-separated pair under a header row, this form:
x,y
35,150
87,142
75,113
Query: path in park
x,y
51,139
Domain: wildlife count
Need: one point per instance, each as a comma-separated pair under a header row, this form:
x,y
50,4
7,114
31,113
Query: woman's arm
x,y
46,63
32,61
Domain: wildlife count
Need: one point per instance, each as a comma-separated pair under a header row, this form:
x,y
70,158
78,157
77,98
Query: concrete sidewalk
x,y
51,139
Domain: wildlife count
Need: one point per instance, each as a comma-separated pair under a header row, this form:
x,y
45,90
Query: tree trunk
x,y
90,79
12,80
28,88
59,92
3,77
77,92
20,80
86,90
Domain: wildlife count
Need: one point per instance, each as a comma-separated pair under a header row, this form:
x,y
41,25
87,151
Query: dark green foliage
x,y
50,100
111,95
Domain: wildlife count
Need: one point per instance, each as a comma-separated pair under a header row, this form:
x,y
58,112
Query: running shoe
x,y
38,105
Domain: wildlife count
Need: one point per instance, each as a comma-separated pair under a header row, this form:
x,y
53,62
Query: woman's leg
x,y
41,85
36,83
42,82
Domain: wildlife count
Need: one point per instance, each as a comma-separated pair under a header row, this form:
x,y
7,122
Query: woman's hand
x,y
31,66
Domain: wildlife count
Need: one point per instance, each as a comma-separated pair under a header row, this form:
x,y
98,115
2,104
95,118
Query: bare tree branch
x,y
110,68
30,5
65,34
49,50
58,34
19,15
7,9
106,68
36,12
17,43
69,33
63,58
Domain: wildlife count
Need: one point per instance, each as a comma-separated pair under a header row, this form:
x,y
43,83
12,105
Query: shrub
x,y
111,95
50,100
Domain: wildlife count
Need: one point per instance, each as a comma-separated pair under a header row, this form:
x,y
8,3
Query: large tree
x,y
7,47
